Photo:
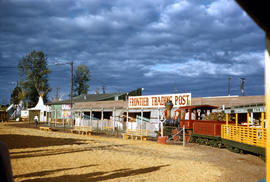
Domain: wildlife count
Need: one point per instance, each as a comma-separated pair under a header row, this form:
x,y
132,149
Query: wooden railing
x,y
244,134
136,133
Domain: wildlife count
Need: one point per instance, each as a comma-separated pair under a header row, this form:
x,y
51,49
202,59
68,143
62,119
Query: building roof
x,y
97,97
90,98
198,107
100,97
228,101
119,104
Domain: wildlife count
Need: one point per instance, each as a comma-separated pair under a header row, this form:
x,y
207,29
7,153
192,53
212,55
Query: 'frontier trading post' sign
x,y
150,101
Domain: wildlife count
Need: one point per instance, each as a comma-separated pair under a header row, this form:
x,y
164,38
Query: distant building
x,y
60,110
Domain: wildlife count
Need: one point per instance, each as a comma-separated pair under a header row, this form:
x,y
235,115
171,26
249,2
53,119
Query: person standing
x,y
36,120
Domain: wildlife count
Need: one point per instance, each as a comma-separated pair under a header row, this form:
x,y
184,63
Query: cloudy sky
x,y
158,45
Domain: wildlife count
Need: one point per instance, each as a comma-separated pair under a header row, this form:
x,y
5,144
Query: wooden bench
x,y
45,128
135,134
108,128
82,130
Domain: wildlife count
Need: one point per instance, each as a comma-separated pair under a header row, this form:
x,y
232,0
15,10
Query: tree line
x,y
33,79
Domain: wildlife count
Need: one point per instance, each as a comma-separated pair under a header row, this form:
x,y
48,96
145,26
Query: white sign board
x,y
150,101
24,114
66,107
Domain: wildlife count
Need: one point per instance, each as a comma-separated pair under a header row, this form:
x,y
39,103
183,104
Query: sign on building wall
x,y
66,111
24,113
66,107
150,101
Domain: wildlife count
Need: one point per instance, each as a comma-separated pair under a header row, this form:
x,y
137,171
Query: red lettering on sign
x,y
187,96
175,100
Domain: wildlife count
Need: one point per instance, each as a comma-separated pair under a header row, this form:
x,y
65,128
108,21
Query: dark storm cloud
x,y
154,44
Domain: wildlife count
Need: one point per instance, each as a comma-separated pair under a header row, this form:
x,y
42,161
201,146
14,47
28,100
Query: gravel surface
x,y
60,156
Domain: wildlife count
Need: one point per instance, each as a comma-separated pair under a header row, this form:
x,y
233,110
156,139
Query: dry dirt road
x,y
54,156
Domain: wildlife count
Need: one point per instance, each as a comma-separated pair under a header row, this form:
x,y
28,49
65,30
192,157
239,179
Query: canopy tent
x,y
41,110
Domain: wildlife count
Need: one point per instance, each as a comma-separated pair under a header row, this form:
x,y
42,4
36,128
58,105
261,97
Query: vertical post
x,y
248,119
184,118
189,114
184,137
127,119
160,123
236,119
180,116
158,115
113,117
55,118
71,89
141,117
49,118
63,122
229,86
267,100
251,118
91,122
227,119
162,133
242,86
102,117
248,127
80,117
262,119
97,125
175,87
227,123
141,122
236,124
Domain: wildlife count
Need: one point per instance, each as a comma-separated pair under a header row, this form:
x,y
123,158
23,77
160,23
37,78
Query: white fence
x,y
100,125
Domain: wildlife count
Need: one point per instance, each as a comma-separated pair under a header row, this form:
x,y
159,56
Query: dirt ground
x,y
57,156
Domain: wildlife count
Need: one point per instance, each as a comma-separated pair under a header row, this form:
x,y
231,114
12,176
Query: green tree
x,y
33,71
81,80
16,95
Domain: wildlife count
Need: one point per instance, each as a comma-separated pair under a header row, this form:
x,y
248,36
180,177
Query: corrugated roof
x,y
228,101
89,98
120,104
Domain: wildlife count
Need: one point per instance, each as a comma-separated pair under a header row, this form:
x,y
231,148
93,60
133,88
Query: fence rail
x,y
244,134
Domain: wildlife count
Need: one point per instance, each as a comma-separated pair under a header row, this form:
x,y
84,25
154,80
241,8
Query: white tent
x,y
43,110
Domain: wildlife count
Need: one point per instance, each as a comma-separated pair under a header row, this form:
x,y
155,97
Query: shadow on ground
x,y
100,176
50,152
15,141
48,172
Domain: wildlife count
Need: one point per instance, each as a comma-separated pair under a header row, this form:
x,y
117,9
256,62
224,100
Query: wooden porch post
x,y
262,119
236,119
227,119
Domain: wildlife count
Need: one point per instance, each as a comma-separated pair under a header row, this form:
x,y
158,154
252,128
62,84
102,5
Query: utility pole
x,y
57,97
175,87
71,88
242,86
103,89
229,86
71,83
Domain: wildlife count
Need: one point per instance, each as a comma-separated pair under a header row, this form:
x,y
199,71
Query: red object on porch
x,y
162,140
